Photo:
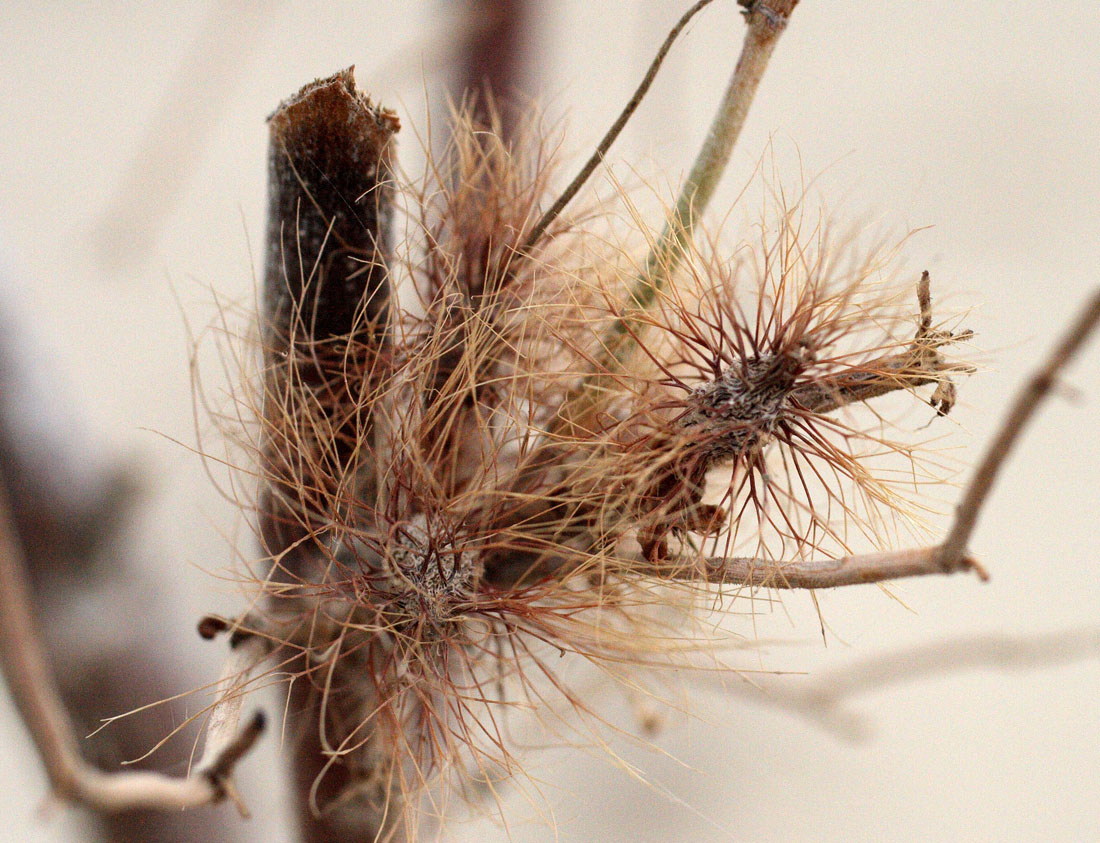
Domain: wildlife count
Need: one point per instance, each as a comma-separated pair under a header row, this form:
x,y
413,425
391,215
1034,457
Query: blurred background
x,y
132,166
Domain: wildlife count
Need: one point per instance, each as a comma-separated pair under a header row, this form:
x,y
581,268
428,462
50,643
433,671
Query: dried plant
x,y
500,438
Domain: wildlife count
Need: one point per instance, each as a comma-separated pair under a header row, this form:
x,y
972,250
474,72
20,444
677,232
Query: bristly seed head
x,y
422,572
447,502
759,366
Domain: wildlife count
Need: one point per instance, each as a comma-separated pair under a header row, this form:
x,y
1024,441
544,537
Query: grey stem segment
x,y
766,22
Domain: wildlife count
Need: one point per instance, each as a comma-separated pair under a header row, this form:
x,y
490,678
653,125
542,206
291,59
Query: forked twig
x,y
1027,402
36,697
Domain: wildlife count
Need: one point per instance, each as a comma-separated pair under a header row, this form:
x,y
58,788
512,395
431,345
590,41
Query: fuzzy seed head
x,y
449,506
421,572
739,412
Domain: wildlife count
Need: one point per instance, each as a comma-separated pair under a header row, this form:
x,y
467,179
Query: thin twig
x,y
612,133
830,573
36,697
1033,393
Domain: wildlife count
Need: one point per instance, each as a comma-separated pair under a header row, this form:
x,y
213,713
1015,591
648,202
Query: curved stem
x,y
34,690
766,22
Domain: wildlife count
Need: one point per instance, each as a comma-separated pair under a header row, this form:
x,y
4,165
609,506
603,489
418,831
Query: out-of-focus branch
x,y
495,59
69,495
34,691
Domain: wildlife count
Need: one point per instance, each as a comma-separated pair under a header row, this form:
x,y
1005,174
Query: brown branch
x,y
327,292
34,691
1027,402
883,376
329,206
831,573
326,288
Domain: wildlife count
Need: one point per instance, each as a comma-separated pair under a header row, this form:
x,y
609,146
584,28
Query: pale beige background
x,y
978,119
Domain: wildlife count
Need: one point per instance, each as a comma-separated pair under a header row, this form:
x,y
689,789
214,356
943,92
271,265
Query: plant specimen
x,y
513,459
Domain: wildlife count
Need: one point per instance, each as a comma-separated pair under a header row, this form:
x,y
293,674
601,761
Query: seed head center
x,y
738,412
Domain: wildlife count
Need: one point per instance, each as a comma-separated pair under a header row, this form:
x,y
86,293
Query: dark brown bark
x,y
326,312
326,291
329,209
